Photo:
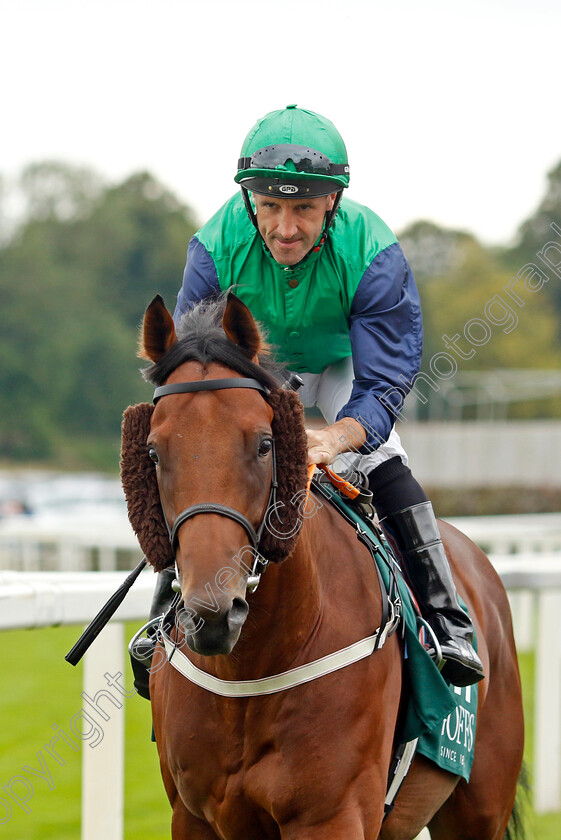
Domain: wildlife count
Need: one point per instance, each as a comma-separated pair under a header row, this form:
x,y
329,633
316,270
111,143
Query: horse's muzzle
x,y
215,631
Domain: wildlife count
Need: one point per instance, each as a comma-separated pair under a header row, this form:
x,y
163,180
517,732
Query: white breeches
x,y
330,391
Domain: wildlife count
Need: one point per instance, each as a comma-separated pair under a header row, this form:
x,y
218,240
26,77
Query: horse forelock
x,y
202,339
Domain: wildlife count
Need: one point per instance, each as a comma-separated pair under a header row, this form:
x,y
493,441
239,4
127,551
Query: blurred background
x,y
121,127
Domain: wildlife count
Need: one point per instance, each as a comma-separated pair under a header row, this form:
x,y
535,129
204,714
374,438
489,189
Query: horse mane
x,y
202,339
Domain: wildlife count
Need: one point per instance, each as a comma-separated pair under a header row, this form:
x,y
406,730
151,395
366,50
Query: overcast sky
x,y
450,110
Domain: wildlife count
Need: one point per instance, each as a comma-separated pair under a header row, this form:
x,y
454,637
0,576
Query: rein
x,y
254,534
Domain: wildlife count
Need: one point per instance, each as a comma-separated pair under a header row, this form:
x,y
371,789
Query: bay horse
x,y
310,762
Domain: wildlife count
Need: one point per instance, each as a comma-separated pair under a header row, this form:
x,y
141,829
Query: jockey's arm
x,y
325,444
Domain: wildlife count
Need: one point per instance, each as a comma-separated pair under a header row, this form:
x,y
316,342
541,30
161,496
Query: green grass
x,y
39,689
541,826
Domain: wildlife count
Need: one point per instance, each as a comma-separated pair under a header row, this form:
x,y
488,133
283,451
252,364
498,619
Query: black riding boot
x,y
141,656
412,526
416,534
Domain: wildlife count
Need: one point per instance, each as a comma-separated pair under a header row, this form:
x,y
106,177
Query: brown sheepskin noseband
x,y
138,476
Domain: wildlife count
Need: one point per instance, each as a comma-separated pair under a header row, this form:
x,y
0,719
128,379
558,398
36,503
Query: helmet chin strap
x,y
249,208
329,216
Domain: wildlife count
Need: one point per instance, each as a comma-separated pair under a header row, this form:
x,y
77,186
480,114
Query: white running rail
x,y
91,543
41,599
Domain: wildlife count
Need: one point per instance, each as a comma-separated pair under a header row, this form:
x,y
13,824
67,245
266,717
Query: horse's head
x,y
211,448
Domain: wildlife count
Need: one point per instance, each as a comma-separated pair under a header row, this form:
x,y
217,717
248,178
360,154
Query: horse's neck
x,y
317,601
294,589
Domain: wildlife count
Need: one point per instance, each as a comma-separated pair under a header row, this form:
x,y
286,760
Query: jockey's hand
x,y
325,444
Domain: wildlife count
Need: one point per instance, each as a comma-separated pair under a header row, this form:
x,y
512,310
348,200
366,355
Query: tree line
x,y
86,258
75,277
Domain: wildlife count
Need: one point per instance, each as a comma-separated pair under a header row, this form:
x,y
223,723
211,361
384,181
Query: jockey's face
x,y
291,226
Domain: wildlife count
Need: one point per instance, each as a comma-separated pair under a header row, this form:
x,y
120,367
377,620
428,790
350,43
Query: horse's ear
x,y
158,331
240,327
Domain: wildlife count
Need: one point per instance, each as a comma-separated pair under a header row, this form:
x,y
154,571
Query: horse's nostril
x,y
238,612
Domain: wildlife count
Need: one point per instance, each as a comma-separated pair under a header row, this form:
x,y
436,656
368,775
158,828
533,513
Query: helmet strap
x,y
329,217
249,208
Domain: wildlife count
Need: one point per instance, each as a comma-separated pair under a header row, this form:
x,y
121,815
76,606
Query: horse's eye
x,y
265,447
153,455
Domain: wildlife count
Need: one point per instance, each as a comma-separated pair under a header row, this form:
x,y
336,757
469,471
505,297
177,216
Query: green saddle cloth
x,y
441,716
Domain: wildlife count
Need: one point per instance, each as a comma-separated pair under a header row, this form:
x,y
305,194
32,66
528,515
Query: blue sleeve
x,y
386,334
200,279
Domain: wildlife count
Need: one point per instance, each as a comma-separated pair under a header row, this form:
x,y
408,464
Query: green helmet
x,y
293,153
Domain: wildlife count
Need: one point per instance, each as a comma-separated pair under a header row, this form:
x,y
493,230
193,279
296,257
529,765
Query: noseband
x,y
254,534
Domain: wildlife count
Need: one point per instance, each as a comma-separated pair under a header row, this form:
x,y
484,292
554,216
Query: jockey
x,y
329,282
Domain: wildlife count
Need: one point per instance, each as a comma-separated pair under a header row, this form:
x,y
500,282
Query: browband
x,y
207,385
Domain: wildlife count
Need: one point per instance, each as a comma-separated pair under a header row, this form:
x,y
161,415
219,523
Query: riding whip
x,y
106,612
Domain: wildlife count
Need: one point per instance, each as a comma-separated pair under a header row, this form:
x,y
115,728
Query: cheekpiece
x,y
284,519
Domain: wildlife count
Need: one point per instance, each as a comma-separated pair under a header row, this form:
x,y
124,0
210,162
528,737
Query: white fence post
x,y
103,764
547,712
522,609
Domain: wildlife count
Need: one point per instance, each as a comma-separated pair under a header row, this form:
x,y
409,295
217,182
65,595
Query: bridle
x,y
296,676
254,534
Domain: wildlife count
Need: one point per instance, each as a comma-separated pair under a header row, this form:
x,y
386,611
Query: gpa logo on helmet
x,y
288,188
